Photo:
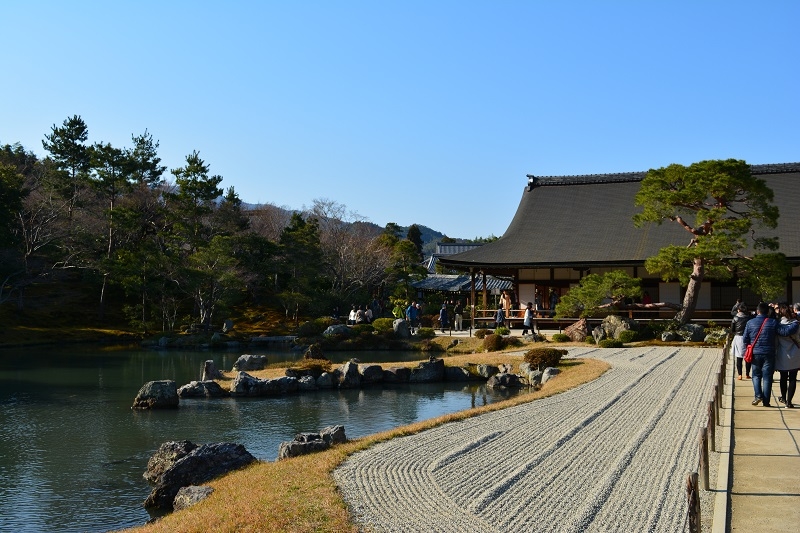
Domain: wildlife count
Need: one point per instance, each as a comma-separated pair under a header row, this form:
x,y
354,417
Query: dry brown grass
x,y
299,494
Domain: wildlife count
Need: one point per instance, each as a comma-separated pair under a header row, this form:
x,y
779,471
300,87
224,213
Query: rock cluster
x,y
178,464
305,443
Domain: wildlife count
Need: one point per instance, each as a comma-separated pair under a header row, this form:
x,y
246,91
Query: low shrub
x,y
544,357
628,335
560,337
610,343
589,340
358,329
426,333
481,333
493,343
426,321
383,324
501,330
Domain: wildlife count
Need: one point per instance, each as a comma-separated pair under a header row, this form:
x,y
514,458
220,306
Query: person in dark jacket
x,y
737,327
764,350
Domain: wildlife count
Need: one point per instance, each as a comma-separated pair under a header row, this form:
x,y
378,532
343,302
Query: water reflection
x,y
72,452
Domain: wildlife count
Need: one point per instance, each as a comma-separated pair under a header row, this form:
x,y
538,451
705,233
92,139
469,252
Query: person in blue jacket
x,y
764,350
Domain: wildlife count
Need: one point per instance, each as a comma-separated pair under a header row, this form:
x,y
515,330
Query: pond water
x,y
72,452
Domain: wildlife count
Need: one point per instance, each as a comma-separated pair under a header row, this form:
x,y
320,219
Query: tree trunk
x,y
692,292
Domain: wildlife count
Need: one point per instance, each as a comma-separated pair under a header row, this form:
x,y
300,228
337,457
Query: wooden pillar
x,y
472,295
485,293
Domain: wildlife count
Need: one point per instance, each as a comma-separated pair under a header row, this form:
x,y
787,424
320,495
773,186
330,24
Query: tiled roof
x,y
587,220
459,283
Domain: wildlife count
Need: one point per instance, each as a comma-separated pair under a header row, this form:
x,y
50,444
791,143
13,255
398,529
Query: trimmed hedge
x,y
561,337
481,333
493,343
543,357
628,335
383,324
610,343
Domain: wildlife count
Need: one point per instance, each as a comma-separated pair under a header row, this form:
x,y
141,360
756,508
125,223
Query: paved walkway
x,y
765,493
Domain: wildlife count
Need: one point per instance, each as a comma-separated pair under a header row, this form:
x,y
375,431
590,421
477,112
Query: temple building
x,y
567,227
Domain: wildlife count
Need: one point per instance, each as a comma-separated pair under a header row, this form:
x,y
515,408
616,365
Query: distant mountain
x,y
429,236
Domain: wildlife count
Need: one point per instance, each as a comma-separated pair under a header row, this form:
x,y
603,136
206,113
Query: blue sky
x,y
427,112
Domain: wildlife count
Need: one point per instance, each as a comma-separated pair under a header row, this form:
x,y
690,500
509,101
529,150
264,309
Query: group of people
x,y
773,333
365,314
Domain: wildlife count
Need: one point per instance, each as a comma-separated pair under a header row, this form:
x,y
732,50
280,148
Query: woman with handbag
x,y
787,356
760,333
737,327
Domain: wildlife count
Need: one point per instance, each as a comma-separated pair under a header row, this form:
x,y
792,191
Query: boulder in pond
x,y
161,394
250,362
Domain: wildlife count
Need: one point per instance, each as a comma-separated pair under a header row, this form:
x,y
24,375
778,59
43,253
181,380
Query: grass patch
x,y
299,494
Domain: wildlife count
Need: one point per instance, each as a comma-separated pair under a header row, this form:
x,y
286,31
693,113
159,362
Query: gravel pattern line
x,y
610,455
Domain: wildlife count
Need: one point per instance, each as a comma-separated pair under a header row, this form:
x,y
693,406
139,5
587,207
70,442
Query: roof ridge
x,y
621,177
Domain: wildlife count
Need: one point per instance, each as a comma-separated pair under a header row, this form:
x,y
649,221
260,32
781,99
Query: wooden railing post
x,y
693,503
711,425
703,438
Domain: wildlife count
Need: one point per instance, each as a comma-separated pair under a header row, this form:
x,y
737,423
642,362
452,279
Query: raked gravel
x,y
610,455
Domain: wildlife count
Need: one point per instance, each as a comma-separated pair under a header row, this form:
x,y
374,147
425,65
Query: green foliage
x,y
383,324
560,337
315,328
628,335
542,357
426,333
610,343
358,329
589,340
481,333
721,205
493,343
585,299
502,330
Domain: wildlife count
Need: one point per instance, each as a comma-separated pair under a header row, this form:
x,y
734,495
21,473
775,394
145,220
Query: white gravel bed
x,y
611,455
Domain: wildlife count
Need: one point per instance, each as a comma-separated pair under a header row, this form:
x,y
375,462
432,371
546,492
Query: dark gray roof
x,y
459,283
587,220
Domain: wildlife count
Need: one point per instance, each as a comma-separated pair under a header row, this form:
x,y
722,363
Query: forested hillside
x,y
95,234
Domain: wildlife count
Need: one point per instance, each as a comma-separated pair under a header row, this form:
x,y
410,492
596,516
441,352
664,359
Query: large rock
x,y
202,464
486,371
202,389
326,381
692,332
549,373
166,456
396,374
400,328
245,385
456,373
337,330
250,362
307,383
351,377
613,325
305,443
504,381
210,371
371,374
188,496
578,331
162,394
286,384
428,372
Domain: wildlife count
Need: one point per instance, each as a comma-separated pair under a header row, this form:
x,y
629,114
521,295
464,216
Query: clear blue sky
x,y
428,112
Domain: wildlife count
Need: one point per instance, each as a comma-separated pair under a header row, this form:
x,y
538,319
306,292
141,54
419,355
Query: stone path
x,y
611,455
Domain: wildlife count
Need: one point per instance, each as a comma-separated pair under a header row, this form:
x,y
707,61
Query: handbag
x,y
748,352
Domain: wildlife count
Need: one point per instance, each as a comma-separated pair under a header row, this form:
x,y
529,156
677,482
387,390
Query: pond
x,y
72,452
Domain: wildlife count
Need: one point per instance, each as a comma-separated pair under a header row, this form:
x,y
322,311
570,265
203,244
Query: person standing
x,y
737,327
444,321
787,357
761,331
458,313
499,317
527,321
412,314
351,319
